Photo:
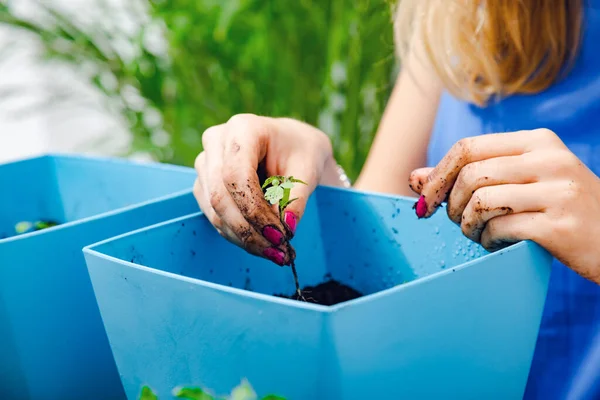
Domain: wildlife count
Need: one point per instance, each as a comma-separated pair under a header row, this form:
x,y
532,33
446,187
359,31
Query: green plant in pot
x,y
278,192
243,391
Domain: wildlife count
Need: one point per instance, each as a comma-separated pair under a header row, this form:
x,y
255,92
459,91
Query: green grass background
x,y
194,63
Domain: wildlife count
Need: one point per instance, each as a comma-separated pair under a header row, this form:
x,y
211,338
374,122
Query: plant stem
x,y
298,291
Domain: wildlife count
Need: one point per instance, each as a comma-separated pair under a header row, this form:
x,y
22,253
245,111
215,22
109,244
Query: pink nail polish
x,y
273,235
290,220
275,255
421,207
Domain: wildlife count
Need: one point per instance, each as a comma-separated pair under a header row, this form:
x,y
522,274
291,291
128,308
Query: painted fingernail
x,y
275,255
290,220
421,207
273,235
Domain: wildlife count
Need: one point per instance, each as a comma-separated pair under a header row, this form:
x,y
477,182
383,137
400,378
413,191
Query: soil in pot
x,y
328,293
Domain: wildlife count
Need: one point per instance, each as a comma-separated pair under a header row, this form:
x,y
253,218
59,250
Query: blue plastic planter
x,y
52,341
183,306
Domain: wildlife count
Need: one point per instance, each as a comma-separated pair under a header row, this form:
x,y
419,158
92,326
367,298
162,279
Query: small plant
x,y
243,391
27,226
278,191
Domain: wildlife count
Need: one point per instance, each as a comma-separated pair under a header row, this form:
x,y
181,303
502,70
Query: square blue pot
x,y
52,341
440,318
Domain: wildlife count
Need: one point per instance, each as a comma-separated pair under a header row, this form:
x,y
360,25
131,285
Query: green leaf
x,y
284,199
147,394
243,392
273,397
273,180
274,194
24,226
287,203
44,225
287,185
297,180
267,182
191,393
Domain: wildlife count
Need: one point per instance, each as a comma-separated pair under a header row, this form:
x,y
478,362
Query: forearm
x,y
401,142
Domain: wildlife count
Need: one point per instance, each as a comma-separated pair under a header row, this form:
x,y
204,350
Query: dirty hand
x,y
504,188
228,188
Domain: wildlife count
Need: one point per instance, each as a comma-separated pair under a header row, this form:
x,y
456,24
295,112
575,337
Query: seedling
x,y
278,191
243,391
27,226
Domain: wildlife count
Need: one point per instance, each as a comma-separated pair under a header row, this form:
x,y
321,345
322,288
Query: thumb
x,y
299,193
418,178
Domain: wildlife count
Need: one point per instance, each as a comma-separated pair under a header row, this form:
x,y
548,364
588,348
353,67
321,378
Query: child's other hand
x,y
504,188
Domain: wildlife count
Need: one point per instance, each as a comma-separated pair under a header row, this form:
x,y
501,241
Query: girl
x,y
499,98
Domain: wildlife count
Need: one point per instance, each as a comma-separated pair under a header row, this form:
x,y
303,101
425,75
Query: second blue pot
x,y
52,340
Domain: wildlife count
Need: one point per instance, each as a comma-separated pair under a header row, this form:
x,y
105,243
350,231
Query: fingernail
x,y
275,255
290,220
273,235
421,207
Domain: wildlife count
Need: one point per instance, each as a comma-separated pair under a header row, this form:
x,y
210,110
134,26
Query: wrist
x,y
334,175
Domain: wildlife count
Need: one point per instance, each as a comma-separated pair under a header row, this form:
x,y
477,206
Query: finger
x,y
200,193
494,201
490,172
417,179
233,224
503,231
470,150
200,190
245,146
304,169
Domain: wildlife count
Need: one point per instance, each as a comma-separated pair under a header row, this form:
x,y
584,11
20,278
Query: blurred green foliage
x,y
191,64
243,391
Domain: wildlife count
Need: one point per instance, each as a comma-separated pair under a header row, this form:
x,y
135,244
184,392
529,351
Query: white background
x,y
79,127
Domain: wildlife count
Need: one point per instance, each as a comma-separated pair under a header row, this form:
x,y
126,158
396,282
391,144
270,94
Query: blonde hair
x,y
492,48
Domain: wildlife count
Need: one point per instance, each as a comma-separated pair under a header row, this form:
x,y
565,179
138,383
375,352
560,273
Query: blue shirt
x,y
566,363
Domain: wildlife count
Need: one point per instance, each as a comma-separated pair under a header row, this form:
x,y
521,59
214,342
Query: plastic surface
x,y
183,306
566,362
52,340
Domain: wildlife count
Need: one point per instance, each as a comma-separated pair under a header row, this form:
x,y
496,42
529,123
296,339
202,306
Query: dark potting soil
x,y
328,293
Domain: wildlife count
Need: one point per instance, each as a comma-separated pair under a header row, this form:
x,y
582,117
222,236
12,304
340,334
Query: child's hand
x,y
228,189
508,187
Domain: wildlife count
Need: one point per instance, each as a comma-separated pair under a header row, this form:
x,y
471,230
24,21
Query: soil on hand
x,y
328,293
